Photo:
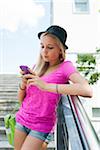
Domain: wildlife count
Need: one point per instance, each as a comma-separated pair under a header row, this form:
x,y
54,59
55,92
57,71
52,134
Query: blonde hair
x,y
41,66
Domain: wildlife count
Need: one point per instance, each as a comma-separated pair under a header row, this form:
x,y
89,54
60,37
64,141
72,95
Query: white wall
x,y
83,36
83,29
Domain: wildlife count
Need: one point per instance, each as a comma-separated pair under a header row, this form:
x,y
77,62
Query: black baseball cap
x,y
58,31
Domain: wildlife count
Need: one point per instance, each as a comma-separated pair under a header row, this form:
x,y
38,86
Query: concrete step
x,y
7,106
2,130
8,96
4,101
9,81
5,110
4,145
3,137
9,77
8,88
12,83
9,99
1,121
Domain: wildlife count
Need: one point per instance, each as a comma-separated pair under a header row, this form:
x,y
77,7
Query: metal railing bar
x,y
78,125
84,124
74,129
74,138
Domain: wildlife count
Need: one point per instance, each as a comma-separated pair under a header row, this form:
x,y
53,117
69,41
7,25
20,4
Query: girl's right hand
x,y
25,77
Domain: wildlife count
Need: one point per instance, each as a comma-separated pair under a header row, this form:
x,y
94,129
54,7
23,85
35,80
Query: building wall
x,y
83,36
83,28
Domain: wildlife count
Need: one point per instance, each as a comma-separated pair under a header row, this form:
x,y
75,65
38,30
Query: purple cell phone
x,y
25,69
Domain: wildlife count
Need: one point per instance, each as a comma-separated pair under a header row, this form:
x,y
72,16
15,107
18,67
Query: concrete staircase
x,y
8,99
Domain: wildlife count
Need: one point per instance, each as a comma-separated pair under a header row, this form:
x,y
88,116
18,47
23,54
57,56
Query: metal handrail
x,y
84,124
74,129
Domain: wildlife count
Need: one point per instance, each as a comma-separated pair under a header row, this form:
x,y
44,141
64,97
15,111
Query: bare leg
x,y
19,139
32,143
44,146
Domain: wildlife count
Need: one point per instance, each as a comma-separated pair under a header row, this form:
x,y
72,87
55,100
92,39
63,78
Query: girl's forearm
x,y
70,89
21,93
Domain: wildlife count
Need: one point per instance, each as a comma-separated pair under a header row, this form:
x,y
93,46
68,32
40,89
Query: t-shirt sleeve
x,y
68,69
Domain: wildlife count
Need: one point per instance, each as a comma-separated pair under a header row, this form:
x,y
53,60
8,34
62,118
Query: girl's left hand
x,y
33,79
37,81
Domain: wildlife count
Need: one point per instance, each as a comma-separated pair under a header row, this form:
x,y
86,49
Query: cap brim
x,y
40,33
66,46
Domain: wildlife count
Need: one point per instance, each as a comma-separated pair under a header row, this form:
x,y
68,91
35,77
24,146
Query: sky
x,y
20,22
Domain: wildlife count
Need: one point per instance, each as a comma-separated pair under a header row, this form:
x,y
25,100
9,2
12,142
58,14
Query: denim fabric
x,y
47,137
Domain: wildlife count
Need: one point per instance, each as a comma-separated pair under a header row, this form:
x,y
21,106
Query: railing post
x,y
74,129
62,134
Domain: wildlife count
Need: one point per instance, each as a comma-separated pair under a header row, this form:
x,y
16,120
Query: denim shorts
x,y
47,137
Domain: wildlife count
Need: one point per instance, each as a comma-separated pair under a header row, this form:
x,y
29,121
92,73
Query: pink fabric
x,y
38,110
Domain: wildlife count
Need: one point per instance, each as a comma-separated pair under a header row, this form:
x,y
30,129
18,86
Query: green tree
x,y
86,64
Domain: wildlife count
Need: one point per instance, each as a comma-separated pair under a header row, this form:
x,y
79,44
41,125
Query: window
x,y
80,6
96,112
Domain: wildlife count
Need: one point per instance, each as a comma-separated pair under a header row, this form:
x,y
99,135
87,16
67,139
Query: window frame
x,y
75,8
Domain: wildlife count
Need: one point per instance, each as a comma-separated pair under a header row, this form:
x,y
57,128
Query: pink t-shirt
x,y
38,110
